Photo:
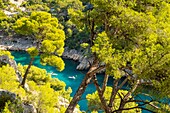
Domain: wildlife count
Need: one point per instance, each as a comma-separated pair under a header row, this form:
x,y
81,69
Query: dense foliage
x,y
94,103
44,92
132,39
127,38
48,36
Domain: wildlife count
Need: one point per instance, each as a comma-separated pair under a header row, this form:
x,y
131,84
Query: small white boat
x,y
53,73
72,77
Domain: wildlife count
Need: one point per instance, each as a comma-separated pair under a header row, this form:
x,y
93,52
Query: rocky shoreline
x,y
84,61
21,44
16,44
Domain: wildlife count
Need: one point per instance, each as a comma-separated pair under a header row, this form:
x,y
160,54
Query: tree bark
x,y
126,97
114,92
104,83
100,94
92,33
26,73
122,104
94,68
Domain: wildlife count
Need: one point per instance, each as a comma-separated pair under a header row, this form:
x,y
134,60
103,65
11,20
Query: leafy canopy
x,y
94,103
49,37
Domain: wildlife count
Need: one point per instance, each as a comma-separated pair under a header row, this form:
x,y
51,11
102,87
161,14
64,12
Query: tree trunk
x,y
100,94
94,68
26,73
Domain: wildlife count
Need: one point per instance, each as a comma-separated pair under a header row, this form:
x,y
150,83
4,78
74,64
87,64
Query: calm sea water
x,y
70,76
66,75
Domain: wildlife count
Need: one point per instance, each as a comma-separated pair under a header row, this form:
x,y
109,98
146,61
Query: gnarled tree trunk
x,y
94,68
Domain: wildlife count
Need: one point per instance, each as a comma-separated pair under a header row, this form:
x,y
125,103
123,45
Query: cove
x,y
69,75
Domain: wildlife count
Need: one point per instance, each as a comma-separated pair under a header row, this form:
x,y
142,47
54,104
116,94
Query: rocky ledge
x,y
6,95
6,60
16,44
84,62
21,44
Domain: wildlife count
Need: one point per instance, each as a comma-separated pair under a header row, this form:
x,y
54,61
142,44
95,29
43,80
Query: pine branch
x,y
115,111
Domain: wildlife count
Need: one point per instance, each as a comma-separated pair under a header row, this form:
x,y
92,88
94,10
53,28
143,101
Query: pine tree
x,y
48,36
133,42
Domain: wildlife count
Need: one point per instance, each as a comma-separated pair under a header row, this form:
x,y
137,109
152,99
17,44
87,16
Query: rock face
x,y
17,2
78,56
29,108
16,44
8,95
6,60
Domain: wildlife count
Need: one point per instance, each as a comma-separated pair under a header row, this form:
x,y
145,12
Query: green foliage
x,y
63,109
135,37
4,3
46,96
94,103
84,45
6,109
25,26
43,94
43,98
39,76
2,52
50,38
45,90
76,15
164,107
128,34
6,81
47,99
57,85
38,7
2,16
60,10
3,19
13,107
66,93
32,51
141,38
53,60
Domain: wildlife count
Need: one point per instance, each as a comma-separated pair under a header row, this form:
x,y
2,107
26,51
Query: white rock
x,y
29,108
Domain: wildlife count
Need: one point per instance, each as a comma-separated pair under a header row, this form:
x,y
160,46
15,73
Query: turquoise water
x,y
66,76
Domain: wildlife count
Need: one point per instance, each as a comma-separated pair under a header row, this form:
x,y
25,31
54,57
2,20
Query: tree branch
x,y
114,92
144,103
102,99
123,83
131,91
104,83
133,108
120,96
